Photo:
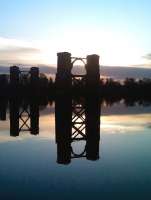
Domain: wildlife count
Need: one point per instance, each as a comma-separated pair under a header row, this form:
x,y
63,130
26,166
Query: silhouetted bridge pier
x,y
66,81
28,82
76,119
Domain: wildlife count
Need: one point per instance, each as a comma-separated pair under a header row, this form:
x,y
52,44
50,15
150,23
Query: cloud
x,y
147,56
14,51
19,50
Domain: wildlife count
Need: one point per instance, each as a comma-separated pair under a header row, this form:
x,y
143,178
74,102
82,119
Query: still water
x,y
29,167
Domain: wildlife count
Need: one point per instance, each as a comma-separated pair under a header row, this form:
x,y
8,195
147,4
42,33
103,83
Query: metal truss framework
x,y
78,112
24,113
78,80
24,74
78,126
24,119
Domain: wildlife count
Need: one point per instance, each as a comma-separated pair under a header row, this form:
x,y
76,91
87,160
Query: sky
x,y
33,31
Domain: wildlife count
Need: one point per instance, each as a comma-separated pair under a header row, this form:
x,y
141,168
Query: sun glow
x,y
114,49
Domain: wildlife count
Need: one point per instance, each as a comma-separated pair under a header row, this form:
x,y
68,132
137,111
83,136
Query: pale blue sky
x,y
119,31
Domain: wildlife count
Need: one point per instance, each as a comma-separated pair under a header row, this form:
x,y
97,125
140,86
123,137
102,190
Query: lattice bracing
x,y
78,80
78,121
24,119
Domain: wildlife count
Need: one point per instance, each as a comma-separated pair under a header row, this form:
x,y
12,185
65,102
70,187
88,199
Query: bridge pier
x,y
3,85
93,73
14,81
34,118
77,121
93,112
3,109
17,80
63,120
63,77
14,117
23,118
34,81
65,80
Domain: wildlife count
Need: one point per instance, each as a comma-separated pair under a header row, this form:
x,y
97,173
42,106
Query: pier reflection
x,y
3,109
77,120
23,117
77,124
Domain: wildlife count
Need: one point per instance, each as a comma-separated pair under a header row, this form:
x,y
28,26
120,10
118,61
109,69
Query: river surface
x,y
29,167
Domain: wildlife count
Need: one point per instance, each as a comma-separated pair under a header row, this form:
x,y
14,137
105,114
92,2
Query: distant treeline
x,y
129,87
108,88
25,87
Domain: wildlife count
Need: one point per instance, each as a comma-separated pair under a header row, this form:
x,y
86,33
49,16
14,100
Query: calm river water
x,y
29,167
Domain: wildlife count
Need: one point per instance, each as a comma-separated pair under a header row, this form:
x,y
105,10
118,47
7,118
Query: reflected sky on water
x,y
28,167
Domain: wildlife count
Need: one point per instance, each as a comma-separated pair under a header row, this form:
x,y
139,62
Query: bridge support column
x,y
93,73
14,80
34,118
14,75
3,85
3,109
92,109
63,76
63,124
14,117
34,80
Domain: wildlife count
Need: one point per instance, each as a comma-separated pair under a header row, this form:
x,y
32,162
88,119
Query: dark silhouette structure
x,y
77,119
29,82
3,85
77,102
65,80
3,109
23,117
24,82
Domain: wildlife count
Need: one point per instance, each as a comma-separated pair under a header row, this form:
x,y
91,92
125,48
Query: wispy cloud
x,y
147,56
14,51
19,50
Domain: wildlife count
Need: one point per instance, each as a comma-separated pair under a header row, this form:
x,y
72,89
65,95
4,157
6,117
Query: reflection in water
x,y
24,118
77,123
3,107
77,120
125,132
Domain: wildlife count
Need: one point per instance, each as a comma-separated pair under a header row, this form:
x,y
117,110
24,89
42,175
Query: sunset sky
x,y
33,31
